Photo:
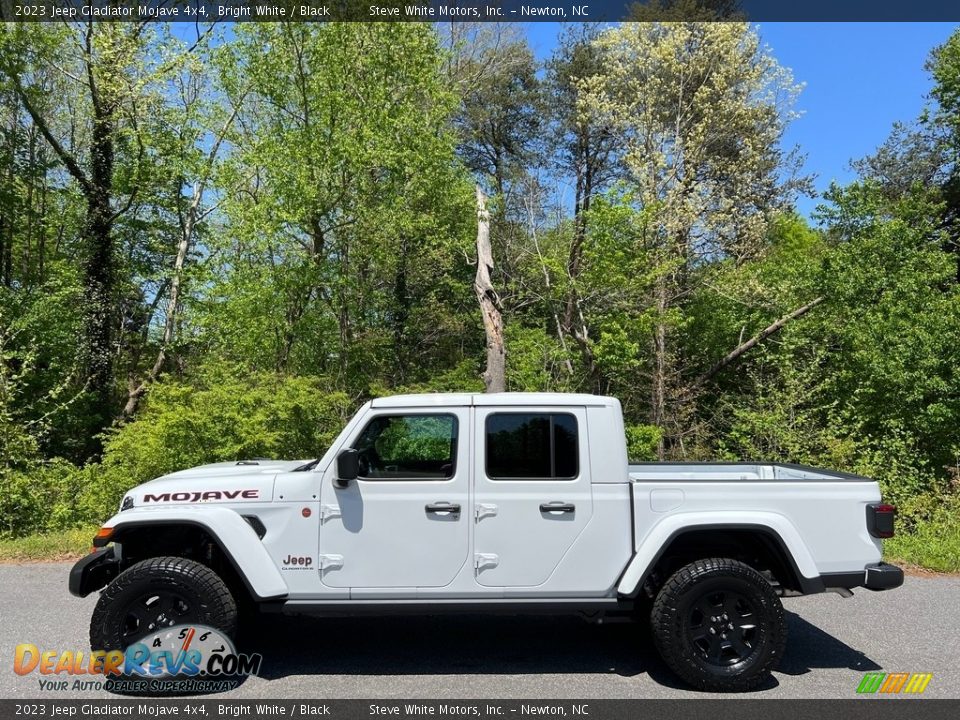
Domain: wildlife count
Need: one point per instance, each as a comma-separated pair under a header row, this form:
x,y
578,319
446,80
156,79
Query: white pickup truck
x,y
494,503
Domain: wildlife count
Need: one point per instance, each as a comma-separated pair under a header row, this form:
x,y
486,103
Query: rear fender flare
x,y
651,546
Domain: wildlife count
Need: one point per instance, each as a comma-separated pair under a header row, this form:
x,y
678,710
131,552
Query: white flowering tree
x,y
700,109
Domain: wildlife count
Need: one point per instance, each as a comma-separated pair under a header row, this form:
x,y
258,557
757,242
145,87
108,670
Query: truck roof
x,y
495,399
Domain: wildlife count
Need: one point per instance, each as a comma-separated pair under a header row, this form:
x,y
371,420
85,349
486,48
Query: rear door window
x,y
532,446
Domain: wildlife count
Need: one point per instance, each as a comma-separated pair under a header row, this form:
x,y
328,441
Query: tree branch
x,y
744,347
65,157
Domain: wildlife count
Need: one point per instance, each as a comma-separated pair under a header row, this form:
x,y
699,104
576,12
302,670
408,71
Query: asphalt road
x,y
833,642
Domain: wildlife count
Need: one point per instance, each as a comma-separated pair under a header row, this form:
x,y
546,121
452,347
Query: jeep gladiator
x,y
509,502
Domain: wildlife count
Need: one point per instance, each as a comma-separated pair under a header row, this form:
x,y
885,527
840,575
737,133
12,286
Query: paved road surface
x,y
833,641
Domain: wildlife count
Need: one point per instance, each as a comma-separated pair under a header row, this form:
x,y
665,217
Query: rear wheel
x,y
719,625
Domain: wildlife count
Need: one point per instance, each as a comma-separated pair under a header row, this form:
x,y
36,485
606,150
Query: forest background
x,y
216,244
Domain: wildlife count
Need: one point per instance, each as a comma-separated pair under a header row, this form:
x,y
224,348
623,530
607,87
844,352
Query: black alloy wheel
x,y
154,611
719,625
722,626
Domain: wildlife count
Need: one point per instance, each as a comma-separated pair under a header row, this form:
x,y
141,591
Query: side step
x,y
501,606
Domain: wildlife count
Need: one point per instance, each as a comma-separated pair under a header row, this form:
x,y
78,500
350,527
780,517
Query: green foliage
x,y
864,382
68,544
642,441
47,497
324,254
615,281
534,359
348,258
932,543
224,412
463,377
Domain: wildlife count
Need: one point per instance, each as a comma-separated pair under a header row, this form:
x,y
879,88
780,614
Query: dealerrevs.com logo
x,y
894,683
178,659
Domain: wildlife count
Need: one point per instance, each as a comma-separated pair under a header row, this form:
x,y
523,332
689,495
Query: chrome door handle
x,y
557,507
443,507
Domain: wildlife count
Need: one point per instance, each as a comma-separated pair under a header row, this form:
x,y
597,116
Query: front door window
x,y
408,447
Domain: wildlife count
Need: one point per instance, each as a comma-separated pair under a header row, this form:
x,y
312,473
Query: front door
x,y
405,521
533,495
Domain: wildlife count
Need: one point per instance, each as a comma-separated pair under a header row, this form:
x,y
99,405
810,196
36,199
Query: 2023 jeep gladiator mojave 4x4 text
x,y
494,503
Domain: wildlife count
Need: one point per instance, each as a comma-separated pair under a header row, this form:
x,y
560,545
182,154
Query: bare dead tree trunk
x,y
494,376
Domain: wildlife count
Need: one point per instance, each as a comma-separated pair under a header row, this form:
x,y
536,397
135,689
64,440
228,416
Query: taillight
x,y
880,518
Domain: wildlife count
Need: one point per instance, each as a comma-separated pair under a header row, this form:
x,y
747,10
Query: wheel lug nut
x,y
729,626
713,631
713,618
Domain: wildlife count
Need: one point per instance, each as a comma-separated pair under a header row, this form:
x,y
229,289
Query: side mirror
x,y
348,468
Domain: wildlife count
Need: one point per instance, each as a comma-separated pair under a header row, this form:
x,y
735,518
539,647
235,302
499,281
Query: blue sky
x,y
860,78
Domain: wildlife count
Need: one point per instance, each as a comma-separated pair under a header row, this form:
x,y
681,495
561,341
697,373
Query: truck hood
x,y
233,469
224,482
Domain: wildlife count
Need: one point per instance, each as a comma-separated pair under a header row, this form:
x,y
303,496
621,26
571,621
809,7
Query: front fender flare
x,y
650,546
234,535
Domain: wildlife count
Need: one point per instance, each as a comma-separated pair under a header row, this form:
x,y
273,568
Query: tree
x,y
586,149
913,156
105,54
348,220
864,382
700,109
190,134
110,75
921,157
499,120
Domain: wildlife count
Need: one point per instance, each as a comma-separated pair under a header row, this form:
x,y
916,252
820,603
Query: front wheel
x,y
158,593
719,625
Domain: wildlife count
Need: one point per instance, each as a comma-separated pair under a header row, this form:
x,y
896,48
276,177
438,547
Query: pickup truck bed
x,y
788,502
734,471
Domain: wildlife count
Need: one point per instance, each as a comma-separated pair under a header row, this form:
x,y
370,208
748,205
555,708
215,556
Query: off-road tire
x,y
688,637
211,601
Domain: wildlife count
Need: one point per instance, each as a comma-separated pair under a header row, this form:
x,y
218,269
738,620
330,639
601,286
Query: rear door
x,y
533,492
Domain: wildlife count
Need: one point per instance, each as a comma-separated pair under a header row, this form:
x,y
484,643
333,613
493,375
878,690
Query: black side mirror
x,y
348,467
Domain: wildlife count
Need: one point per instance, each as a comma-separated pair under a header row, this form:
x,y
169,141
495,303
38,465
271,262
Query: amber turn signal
x,y
102,537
